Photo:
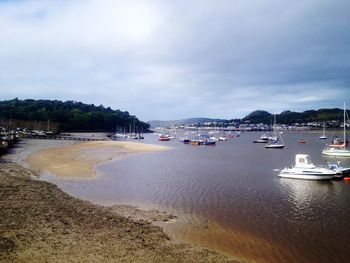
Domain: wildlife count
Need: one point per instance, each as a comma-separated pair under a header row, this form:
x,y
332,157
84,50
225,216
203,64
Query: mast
x,y
324,128
344,125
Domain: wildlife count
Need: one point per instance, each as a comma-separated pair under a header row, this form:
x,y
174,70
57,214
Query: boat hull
x,y
306,176
260,141
164,139
274,146
336,152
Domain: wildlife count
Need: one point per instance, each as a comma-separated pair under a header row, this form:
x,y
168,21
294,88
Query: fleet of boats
x,y
303,167
8,139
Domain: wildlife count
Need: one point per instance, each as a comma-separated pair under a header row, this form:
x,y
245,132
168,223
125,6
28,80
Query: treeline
x,y
70,115
290,117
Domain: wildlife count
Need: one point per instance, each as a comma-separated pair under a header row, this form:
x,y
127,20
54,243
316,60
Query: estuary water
x,y
228,197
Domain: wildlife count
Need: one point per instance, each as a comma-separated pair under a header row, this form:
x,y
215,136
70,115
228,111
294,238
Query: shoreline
x,y
55,220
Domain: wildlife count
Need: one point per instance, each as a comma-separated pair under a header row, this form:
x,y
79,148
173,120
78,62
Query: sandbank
x,y
79,159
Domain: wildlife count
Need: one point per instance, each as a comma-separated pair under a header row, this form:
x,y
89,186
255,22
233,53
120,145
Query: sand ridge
x,y
78,160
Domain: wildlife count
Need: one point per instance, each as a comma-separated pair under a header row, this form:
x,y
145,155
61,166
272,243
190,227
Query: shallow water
x,y
230,198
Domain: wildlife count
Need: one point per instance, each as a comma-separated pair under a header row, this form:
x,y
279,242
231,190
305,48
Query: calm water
x,y
230,198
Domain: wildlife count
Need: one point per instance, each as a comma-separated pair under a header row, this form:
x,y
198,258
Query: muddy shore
x,y
41,223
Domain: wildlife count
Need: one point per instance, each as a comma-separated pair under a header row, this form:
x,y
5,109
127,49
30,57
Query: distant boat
x,y
274,144
323,137
262,139
302,141
209,142
164,138
3,146
120,135
305,169
341,150
184,140
194,142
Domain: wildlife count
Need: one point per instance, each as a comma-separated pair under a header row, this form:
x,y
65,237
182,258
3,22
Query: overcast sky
x,y
178,59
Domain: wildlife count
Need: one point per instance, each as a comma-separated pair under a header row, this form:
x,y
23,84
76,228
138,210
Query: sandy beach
x,y
79,159
41,223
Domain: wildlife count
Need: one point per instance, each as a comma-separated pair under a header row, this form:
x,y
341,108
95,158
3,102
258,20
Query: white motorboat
x,y
305,169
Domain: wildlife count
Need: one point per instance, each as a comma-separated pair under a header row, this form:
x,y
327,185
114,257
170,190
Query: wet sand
x,y
79,159
41,223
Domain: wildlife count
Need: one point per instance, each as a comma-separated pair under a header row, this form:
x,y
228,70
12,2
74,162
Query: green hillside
x,y
289,117
69,115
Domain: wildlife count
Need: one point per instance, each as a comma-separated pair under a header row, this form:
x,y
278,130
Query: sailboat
x,y
273,144
323,137
339,150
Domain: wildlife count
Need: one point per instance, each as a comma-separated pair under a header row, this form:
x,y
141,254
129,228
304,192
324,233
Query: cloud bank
x,y
178,59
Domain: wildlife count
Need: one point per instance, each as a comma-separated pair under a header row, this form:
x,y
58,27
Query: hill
x,y
289,117
67,116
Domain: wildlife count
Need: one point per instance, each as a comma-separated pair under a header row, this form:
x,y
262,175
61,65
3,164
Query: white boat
x,y
339,150
274,144
305,169
120,135
323,137
262,139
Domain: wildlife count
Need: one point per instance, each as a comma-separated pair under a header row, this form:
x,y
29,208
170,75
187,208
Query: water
x,y
230,198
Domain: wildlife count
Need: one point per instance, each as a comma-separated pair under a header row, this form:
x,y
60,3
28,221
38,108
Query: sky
x,y
166,60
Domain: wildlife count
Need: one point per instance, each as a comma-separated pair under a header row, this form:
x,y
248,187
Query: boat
x,y
209,142
273,138
323,137
184,140
195,142
3,146
164,138
120,135
338,142
340,150
274,144
262,139
305,169
302,141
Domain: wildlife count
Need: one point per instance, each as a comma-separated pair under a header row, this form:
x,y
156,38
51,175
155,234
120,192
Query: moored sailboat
x,y
274,144
323,137
341,150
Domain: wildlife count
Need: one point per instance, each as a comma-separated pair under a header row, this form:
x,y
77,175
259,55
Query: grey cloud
x,y
172,59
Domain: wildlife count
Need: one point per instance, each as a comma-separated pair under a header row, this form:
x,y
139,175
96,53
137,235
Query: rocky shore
x,y
41,223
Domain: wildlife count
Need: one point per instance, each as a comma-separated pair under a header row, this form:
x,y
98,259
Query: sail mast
x,y
344,125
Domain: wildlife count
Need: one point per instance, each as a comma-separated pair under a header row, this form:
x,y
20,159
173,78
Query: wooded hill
x,y
290,117
69,115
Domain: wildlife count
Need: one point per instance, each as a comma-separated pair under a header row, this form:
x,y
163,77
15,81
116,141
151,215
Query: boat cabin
x,y
303,160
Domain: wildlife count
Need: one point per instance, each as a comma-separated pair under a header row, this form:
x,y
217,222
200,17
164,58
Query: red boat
x,y
164,138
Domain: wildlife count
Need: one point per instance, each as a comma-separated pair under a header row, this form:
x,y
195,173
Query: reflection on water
x,y
230,198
